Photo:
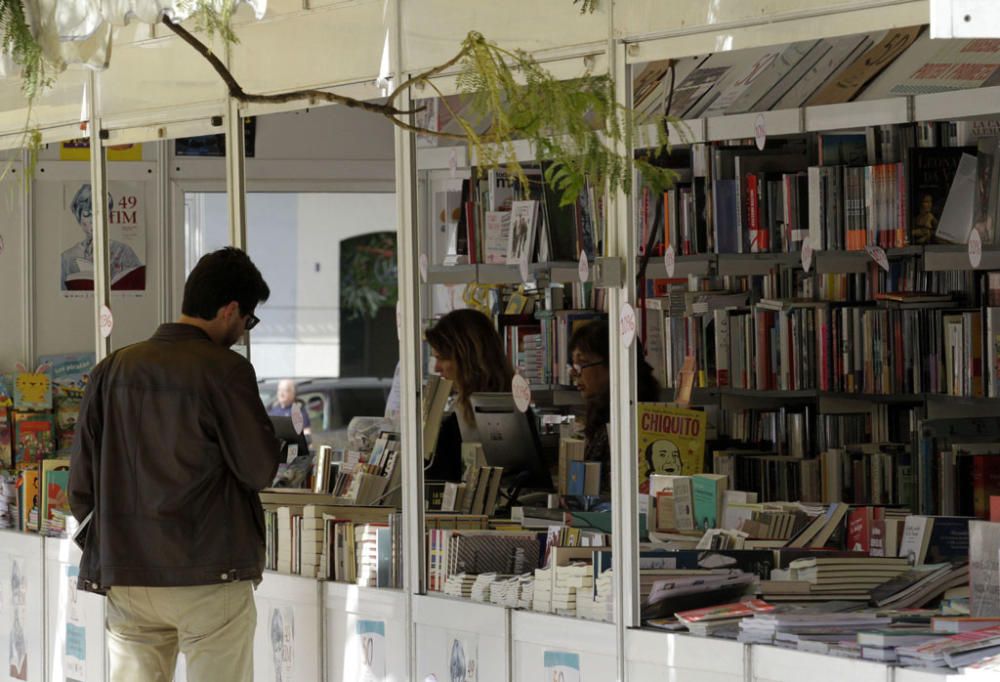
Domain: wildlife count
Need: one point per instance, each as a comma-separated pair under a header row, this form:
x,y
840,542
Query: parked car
x,y
331,403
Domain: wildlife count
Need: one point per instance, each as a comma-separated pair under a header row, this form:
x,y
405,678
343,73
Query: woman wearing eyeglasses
x,y
468,351
588,347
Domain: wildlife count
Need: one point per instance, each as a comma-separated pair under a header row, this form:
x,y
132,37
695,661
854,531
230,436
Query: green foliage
x,y
19,42
213,17
368,274
586,5
576,124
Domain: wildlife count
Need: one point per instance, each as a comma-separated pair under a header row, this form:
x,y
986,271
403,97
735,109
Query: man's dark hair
x,y
220,277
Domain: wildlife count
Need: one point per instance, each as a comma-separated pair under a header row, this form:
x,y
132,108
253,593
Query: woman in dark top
x,y
590,371
468,351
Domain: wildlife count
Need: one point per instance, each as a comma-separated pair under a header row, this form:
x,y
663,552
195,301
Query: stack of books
x,y
459,585
843,578
507,591
881,645
601,604
920,585
541,600
569,580
822,624
955,651
482,588
373,544
526,598
712,620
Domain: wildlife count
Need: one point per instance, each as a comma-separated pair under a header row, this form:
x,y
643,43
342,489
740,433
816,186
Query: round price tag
x,y
523,268
670,261
877,254
975,248
107,322
627,320
522,392
298,422
423,267
760,132
807,255
584,267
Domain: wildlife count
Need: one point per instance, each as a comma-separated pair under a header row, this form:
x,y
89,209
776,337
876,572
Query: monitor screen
x,y
510,440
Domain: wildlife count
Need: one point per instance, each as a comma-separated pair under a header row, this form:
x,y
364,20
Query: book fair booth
x,y
799,334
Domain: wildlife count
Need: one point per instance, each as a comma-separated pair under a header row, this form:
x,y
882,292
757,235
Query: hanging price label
x,y
583,269
975,248
107,322
627,320
760,132
298,421
807,255
877,254
670,261
423,267
522,392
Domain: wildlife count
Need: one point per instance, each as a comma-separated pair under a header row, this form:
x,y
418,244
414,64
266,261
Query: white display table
x,y
653,655
465,633
545,645
365,633
288,644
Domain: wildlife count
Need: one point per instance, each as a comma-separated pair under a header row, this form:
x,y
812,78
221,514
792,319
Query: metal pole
x,y
99,209
27,264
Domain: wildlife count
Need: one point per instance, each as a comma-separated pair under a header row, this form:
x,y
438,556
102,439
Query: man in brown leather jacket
x,y
172,445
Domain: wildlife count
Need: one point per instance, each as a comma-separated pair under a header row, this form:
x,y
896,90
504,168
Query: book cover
x,y
949,539
523,222
30,496
497,237
957,215
55,487
940,66
33,391
931,173
671,441
809,75
856,75
577,477
708,492
6,447
33,438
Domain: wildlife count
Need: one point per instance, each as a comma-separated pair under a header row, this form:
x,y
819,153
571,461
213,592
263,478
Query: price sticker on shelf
x,y
298,421
522,392
670,261
877,254
423,267
760,132
807,255
975,248
583,269
522,267
627,320
107,321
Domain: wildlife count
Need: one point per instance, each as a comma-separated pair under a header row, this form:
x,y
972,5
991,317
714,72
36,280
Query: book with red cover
x,y
725,611
995,508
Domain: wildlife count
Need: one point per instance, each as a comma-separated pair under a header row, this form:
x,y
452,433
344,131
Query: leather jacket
x,y
171,447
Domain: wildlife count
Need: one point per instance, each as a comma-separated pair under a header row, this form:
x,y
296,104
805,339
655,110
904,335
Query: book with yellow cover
x,y
671,441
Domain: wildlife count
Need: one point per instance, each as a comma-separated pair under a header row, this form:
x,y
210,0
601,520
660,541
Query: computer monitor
x,y
285,432
510,440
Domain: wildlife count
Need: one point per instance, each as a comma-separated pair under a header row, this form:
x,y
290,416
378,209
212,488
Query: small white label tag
x,y
670,261
298,422
423,267
760,132
522,392
627,319
877,254
583,269
807,255
975,248
107,321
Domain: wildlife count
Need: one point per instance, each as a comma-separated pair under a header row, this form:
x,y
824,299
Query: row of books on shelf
x,y
792,345
538,345
359,545
36,499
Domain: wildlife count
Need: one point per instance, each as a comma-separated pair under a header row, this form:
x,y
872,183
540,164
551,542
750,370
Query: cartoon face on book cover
x,y
671,441
33,391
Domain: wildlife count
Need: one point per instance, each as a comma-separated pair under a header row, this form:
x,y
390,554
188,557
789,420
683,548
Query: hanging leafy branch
x,y
19,42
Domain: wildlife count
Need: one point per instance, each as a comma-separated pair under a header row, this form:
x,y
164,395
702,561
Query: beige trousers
x,y
213,625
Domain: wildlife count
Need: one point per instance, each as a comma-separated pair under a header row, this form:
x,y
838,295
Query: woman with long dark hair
x,y
468,351
589,355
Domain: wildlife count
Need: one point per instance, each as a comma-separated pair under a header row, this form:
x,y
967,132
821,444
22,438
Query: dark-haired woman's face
x,y
446,367
590,372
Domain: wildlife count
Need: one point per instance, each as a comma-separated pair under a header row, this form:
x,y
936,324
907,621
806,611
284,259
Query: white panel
x,y
347,607
433,30
535,633
287,643
158,81
964,19
339,44
22,636
818,20
660,655
13,278
638,18
858,114
74,618
60,104
773,664
439,622
945,105
781,122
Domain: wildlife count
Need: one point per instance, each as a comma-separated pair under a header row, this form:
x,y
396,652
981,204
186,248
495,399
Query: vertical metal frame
x,y
99,207
28,308
625,519
236,180
165,233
